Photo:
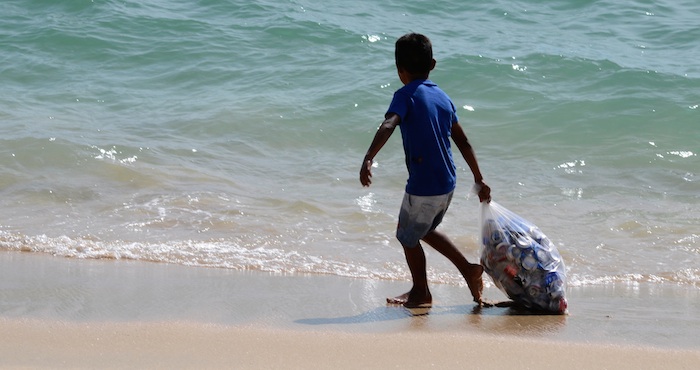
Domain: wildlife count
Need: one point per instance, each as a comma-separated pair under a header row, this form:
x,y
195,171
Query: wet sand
x,y
57,312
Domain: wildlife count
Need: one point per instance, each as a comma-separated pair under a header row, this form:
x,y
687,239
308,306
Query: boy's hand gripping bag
x,y
521,260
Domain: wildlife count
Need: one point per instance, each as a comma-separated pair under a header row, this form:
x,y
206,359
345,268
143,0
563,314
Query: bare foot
x,y
475,282
411,302
403,298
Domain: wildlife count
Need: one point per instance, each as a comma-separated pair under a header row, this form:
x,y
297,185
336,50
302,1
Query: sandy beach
x,y
53,344
67,313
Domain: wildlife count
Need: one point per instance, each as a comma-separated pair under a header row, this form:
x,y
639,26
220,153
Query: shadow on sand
x,y
397,312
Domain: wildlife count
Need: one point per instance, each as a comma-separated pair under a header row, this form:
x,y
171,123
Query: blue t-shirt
x,y
427,115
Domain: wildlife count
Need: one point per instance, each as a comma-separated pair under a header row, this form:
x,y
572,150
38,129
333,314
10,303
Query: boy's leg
x,y
417,217
470,271
419,295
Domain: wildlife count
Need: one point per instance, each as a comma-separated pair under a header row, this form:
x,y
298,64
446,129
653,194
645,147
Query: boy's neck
x,y
420,77
407,78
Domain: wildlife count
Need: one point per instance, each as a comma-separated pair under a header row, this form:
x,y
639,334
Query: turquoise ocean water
x,y
230,133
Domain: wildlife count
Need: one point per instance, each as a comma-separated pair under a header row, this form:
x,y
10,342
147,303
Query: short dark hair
x,y
414,53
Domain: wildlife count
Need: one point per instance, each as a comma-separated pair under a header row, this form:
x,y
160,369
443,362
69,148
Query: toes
x,y
402,299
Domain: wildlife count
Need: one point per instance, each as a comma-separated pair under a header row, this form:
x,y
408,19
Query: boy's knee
x,y
408,238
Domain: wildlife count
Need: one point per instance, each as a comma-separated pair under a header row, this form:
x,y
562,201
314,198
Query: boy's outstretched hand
x,y
366,172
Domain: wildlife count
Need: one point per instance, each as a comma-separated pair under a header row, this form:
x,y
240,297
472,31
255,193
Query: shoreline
x,y
116,313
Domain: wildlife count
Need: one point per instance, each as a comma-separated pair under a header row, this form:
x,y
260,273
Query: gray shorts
x,y
419,216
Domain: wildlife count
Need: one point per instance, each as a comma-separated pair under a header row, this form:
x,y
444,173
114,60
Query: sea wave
x,y
241,255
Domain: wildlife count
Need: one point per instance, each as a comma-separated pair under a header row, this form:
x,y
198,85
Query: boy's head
x,y
414,55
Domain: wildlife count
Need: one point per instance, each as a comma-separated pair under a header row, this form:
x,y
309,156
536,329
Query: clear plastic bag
x,y
521,260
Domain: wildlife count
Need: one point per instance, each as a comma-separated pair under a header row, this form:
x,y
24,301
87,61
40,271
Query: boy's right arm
x,y
462,142
380,138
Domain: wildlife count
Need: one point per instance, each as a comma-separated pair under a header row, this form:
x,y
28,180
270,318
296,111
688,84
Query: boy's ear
x,y
432,66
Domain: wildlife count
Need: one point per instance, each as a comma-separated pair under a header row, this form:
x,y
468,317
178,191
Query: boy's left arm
x,y
462,142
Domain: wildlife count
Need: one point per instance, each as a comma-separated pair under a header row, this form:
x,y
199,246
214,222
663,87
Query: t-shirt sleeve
x,y
455,119
399,105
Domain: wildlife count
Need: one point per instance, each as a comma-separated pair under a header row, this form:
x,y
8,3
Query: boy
x,y
427,118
